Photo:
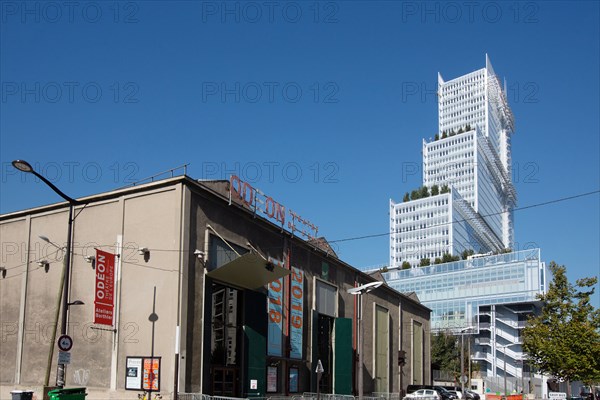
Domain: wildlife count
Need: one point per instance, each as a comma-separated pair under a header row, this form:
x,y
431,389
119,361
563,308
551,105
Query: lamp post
x,y
462,358
504,347
24,166
359,291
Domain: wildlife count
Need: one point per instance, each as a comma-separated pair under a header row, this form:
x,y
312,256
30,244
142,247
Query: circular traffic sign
x,y
65,343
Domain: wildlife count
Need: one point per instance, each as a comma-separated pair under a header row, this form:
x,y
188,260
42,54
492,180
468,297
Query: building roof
x,y
220,189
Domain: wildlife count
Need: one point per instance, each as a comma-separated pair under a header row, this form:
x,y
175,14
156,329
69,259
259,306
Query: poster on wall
x,y
104,299
296,313
151,374
133,373
271,379
293,380
142,373
275,322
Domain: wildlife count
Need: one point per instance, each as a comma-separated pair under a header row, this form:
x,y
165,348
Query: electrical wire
x,y
469,219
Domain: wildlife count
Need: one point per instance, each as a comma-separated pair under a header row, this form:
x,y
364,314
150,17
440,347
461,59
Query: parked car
x,y
457,393
471,395
429,394
445,394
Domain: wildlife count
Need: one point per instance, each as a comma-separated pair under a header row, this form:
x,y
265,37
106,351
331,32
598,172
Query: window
x,y
326,297
382,345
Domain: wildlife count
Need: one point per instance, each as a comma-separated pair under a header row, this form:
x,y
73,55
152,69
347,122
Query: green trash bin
x,y
67,394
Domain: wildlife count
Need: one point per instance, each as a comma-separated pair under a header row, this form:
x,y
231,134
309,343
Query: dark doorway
x,y
325,351
225,341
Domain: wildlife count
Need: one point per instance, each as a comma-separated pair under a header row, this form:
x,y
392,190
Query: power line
x,y
469,219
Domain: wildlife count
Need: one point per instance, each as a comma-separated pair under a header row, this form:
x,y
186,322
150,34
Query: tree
x,y
467,128
445,353
425,262
564,339
406,197
405,265
435,190
437,137
424,192
466,253
445,189
415,194
444,135
447,257
437,260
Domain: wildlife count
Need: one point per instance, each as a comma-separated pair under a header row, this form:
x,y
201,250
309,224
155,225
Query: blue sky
x,y
322,105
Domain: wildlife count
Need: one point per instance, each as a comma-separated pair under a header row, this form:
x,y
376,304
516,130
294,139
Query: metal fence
x,y
303,396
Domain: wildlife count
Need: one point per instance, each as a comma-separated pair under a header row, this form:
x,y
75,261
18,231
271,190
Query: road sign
x,y
464,379
64,357
319,369
557,395
65,343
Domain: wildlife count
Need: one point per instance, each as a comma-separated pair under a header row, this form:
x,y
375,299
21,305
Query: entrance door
x,y
225,341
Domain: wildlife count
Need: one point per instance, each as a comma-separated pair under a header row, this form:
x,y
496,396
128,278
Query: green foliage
x,y
564,339
415,195
425,262
437,137
444,135
445,189
437,260
445,353
424,192
465,254
405,265
406,197
447,257
467,128
435,190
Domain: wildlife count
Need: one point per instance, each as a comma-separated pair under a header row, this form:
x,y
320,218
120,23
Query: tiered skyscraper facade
x,y
465,210
471,155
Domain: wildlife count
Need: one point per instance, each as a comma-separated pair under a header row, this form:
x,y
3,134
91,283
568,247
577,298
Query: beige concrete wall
x,y
149,219
13,256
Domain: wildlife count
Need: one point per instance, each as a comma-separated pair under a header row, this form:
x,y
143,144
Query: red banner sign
x,y
104,302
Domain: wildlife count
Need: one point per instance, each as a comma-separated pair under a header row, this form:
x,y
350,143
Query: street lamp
x,y
462,358
359,291
504,347
24,166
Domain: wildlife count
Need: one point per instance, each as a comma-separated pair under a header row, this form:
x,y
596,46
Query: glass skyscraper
x,y
466,211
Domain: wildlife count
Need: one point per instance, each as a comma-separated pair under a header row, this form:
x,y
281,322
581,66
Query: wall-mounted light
x,y
91,260
199,254
143,251
44,264
3,271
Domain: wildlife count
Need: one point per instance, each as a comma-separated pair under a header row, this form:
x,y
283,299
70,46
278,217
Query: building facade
x,y
211,294
451,245
471,155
